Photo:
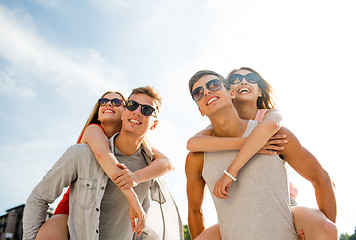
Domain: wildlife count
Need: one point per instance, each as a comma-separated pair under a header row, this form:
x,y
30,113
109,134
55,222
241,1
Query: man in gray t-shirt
x,y
98,210
114,221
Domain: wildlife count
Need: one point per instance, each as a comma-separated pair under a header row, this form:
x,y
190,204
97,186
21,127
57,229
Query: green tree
x,y
347,236
344,236
186,233
353,236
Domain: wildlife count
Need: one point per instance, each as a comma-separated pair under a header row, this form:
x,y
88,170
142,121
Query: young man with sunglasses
x,y
98,210
255,204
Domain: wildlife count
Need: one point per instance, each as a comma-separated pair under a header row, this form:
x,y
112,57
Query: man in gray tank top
x,y
257,206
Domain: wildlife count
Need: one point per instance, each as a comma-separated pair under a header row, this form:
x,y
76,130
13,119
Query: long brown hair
x,y
267,101
93,118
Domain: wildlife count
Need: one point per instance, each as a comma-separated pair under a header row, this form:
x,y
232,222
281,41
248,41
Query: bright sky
x,y
57,57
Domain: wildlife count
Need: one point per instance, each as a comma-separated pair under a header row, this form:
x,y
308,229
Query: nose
x,y
206,90
243,81
108,103
138,110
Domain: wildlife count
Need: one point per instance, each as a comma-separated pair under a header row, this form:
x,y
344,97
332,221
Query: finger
x,y
121,165
278,136
133,224
217,191
272,147
276,142
140,225
301,235
119,177
222,192
124,184
268,152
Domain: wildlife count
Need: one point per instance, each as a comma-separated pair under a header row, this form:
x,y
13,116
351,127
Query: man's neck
x,y
227,123
247,111
128,143
111,129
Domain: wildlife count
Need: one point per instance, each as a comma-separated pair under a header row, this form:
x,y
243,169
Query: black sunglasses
x,y
250,77
212,85
146,110
115,102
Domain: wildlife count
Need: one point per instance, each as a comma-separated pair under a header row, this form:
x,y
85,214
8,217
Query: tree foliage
x,y
186,232
347,236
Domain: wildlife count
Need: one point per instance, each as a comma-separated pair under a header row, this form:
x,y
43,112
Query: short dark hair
x,y
203,73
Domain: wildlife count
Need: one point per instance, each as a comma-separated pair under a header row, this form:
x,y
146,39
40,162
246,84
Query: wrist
x,y
230,175
136,177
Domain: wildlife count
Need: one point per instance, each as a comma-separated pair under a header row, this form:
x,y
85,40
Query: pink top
x,y
260,114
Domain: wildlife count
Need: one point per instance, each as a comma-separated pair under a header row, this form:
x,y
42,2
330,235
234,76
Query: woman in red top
x,y
104,122
254,100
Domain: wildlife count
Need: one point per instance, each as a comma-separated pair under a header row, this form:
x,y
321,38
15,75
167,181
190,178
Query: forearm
x,y
130,195
325,197
34,216
255,141
157,168
214,144
108,163
195,223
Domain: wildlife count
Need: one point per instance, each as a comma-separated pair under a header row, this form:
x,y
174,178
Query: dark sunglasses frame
x,y
146,110
200,89
250,77
115,102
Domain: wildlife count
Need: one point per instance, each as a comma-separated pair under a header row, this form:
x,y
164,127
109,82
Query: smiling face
x,y
109,113
212,101
134,121
245,91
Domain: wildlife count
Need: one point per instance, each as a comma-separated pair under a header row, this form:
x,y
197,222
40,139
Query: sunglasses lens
x,y
132,105
214,85
116,102
252,78
103,101
197,93
147,110
235,78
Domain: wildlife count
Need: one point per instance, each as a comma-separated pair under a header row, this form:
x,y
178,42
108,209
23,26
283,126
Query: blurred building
x,y
11,223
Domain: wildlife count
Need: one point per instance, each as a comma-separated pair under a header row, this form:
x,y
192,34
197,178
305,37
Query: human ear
x,y
232,94
154,125
201,112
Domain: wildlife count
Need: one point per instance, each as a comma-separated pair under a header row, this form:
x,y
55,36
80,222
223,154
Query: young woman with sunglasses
x,y
104,122
254,100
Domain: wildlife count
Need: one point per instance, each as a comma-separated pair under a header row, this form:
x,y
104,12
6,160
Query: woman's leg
x,y
211,233
314,223
54,228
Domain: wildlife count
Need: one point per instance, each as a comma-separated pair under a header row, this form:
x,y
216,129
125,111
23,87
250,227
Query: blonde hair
x,y
267,100
149,91
93,118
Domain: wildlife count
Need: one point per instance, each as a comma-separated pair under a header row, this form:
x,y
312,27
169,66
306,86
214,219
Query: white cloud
x,y
35,59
